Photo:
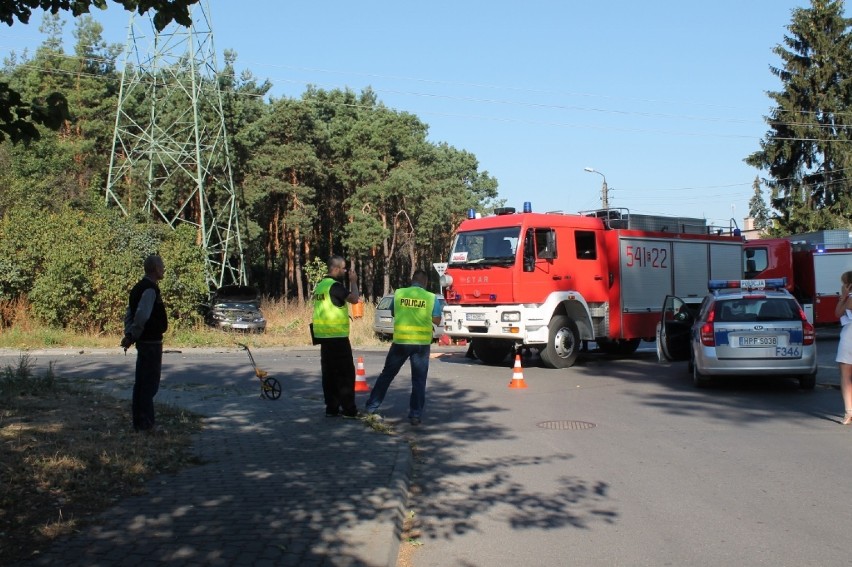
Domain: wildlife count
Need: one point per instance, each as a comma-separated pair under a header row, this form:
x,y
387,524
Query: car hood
x,y
236,293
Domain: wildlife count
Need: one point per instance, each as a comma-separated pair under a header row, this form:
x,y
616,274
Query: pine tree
x,y
757,208
807,151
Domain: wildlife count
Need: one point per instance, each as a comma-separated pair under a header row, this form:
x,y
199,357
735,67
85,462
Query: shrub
x,y
76,274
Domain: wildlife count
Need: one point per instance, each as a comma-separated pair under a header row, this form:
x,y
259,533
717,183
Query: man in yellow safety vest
x,y
331,330
414,310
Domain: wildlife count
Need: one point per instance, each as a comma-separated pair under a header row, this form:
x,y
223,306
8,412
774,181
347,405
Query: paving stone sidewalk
x,y
280,485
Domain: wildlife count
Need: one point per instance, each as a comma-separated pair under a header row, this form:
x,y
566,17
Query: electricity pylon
x,y
170,146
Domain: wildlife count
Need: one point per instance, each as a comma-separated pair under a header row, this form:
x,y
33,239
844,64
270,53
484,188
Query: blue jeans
x,y
418,355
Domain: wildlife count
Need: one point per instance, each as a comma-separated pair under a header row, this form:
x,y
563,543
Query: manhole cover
x,y
566,425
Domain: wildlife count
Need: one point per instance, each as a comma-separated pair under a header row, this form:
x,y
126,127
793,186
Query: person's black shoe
x,y
356,415
332,414
414,420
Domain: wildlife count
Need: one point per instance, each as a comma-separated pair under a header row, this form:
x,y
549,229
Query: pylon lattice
x,y
171,153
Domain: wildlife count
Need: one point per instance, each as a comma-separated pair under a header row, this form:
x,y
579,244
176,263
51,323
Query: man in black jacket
x,y
144,324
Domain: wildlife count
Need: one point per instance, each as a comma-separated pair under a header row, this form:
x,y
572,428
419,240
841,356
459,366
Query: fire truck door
x,y
541,269
674,331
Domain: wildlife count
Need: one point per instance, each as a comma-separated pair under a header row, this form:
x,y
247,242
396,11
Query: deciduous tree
x,y
19,117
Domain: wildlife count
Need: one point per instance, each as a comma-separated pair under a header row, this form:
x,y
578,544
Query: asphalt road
x,y
623,462
611,462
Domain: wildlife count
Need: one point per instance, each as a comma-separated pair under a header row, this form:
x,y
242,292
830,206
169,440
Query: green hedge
x,y
76,267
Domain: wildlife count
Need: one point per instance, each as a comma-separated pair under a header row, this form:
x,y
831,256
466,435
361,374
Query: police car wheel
x,y
700,380
807,381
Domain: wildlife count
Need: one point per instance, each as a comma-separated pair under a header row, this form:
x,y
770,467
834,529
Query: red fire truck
x,y
811,262
551,280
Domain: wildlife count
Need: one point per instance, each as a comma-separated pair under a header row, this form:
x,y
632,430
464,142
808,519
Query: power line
x,y
507,119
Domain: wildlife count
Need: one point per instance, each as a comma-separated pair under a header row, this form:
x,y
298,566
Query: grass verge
x,y
286,326
67,454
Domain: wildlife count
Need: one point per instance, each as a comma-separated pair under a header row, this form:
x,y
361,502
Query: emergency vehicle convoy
x,y
551,280
811,262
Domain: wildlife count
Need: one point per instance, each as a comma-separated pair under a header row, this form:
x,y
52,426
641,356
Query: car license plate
x,y
475,316
758,341
239,326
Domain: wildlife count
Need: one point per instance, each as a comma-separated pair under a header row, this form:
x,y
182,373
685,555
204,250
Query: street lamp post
x,y
604,188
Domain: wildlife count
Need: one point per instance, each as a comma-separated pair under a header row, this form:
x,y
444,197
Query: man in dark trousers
x,y
331,330
414,310
144,324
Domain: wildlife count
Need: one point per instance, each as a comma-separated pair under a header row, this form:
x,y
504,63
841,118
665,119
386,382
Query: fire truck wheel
x,y
563,344
619,347
491,351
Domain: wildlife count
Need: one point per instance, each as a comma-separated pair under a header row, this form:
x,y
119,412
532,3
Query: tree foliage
x,y
757,208
806,152
329,172
77,272
337,172
165,10
19,118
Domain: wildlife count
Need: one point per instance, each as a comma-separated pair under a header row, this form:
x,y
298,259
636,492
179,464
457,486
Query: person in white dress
x,y
843,311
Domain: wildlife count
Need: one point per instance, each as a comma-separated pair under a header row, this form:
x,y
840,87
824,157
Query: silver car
x,y
743,327
383,321
236,308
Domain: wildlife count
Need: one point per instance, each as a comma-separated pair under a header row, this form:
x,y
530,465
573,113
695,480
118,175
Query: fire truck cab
x,y
811,262
553,280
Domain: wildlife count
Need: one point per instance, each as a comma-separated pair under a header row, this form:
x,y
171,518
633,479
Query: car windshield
x,y
236,305
496,246
757,309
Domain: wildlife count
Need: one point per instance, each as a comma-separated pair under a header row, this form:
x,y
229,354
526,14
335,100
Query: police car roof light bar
x,y
770,283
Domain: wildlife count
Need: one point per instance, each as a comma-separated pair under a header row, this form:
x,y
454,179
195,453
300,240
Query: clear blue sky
x,y
665,98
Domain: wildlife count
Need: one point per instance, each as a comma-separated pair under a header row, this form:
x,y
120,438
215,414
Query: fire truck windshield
x,y
492,247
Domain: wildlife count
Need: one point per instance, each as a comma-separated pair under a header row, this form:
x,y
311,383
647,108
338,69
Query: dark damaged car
x,y
236,308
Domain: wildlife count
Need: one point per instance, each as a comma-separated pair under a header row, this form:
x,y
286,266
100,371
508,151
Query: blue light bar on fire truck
x,y
768,284
472,214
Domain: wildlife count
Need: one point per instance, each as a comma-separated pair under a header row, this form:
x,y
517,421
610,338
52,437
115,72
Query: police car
x,y
743,327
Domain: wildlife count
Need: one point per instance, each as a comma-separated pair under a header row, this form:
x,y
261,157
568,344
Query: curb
x,y
400,484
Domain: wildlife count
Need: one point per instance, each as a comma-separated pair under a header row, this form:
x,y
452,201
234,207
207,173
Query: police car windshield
x,y
744,310
491,247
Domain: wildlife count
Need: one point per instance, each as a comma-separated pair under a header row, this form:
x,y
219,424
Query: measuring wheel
x,y
270,388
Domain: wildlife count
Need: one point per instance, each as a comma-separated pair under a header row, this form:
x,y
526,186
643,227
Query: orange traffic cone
x,y
360,380
518,374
